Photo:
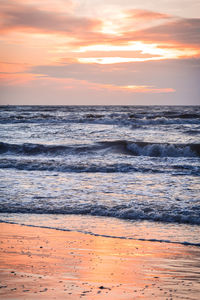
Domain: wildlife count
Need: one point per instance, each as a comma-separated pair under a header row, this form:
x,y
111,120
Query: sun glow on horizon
x,y
112,60
157,52
129,46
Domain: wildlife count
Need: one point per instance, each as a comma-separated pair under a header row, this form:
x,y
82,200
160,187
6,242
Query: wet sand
x,y
40,263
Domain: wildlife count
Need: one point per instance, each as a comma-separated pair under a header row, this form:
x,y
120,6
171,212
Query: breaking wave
x,y
56,165
135,211
120,146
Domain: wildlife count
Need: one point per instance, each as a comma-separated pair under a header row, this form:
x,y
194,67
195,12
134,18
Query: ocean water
x,y
118,171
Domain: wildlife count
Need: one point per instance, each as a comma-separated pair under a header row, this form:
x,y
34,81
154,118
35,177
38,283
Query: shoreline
x,y
41,263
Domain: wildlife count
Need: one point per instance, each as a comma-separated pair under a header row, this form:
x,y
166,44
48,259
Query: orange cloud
x,y
162,31
14,79
177,37
146,15
8,67
69,83
17,75
139,89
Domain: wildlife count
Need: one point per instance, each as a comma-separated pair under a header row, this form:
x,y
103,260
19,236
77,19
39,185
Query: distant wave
x,y
61,166
182,115
192,132
54,165
106,235
64,115
119,146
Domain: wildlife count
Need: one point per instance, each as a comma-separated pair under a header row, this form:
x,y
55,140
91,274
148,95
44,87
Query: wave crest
x,y
133,212
119,146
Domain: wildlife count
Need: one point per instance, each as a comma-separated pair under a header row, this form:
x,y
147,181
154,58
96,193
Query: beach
x,y
41,263
100,150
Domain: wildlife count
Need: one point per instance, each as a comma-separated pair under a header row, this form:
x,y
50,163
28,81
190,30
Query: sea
x,y
128,172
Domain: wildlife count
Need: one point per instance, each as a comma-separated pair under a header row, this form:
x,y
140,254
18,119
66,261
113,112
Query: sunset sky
x,y
100,52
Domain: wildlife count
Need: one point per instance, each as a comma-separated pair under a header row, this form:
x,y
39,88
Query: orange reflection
x,y
69,265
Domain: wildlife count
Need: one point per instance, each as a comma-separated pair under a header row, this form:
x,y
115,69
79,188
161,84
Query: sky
x,y
96,52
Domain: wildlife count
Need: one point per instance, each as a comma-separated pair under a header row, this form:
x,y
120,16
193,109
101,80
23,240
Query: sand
x,y
40,263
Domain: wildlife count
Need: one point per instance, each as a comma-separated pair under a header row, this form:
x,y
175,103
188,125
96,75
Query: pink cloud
x,y
16,16
28,18
26,79
182,31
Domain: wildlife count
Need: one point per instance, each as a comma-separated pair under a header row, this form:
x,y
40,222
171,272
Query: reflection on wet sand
x,y
52,264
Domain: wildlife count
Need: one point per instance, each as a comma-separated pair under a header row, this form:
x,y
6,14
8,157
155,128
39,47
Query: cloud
x,y
153,82
182,35
162,74
182,31
57,35
9,67
112,53
147,15
51,91
135,25
28,18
